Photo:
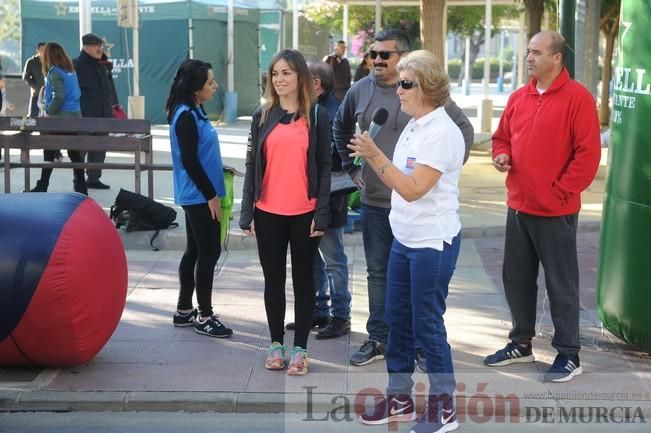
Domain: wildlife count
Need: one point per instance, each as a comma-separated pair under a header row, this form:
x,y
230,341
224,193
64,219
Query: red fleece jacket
x,y
554,145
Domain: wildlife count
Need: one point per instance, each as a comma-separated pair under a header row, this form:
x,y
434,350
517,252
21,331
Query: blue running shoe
x,y
564,369
511,354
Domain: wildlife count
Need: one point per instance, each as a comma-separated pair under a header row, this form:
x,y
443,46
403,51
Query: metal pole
x,y
500,76
466,69
136,107
378,16
487,43
190,31
445,37
345,25
515,69
136,49
230,98
295,24
486,108
568,22
85,19
522,43
230,35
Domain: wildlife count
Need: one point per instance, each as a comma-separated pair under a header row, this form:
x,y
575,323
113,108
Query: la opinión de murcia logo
x,y
478,407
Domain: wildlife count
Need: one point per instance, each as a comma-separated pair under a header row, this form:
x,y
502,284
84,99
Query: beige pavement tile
x,y
142,330
133,352
472,279
96,376
199,376
468,255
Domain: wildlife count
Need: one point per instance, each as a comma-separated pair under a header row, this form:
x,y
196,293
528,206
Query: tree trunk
x,y
611,36
431,26
535,11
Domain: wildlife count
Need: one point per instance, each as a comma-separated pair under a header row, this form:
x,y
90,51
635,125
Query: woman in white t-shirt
x,y
424,177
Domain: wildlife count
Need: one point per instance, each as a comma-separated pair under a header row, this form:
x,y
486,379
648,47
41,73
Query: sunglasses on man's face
x,y
406,84
384,55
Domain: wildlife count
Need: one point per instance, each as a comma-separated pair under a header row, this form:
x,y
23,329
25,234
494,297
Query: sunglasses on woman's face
x,y
384,55
406,84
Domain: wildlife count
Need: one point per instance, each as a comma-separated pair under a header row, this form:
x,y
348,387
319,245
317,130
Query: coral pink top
x,y
285,183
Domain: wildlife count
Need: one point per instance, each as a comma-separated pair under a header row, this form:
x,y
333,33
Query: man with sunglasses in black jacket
x,y
378,89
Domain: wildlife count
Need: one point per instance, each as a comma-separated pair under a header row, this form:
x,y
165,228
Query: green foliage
x,y
463,20
551,7
609,13
361,19
330,14
9,36
466,20
477,73
9,20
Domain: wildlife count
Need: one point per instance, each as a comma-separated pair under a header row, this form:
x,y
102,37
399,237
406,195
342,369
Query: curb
x,y
174,239
243,402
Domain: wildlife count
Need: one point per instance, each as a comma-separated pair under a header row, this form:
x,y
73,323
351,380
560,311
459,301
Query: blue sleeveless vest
x,y
186,191
71,86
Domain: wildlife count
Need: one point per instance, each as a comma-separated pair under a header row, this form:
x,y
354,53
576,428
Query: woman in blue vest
x,y
198,186
61,97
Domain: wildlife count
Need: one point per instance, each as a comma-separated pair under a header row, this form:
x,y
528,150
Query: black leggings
x,y
273,233
197,267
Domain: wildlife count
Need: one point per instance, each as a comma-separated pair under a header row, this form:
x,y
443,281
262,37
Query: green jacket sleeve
x,y
58,93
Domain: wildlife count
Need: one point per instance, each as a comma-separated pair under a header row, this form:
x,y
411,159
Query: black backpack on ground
x,y
136,212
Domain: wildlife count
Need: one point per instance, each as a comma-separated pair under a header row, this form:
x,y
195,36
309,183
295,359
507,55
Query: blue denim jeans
x,y
378,236
33,106
331,276
418,280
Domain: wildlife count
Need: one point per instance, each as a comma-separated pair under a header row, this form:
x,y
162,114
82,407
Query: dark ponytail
x,y
190,77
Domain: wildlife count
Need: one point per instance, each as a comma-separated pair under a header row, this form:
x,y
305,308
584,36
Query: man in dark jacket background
x,y
98,94
341,69
33,76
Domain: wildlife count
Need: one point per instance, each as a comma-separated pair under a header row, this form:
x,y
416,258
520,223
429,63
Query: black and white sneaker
x,y
368,352
397,408
184,319
212,327
511,354
564,369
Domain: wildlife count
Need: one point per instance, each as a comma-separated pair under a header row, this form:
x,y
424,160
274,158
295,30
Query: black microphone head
x,y
380,116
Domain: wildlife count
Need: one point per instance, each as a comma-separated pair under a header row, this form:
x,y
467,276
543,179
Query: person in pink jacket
x,y
548,143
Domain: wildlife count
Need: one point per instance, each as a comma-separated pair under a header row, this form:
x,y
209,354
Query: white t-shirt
x,y
436,141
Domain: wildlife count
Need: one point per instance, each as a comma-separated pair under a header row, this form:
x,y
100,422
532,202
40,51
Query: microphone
x,y
380,116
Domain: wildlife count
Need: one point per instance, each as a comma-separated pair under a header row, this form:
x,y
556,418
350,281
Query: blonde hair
x,y
306,96
429,75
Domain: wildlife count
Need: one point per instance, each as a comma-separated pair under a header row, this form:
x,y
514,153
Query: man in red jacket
x,y
548,142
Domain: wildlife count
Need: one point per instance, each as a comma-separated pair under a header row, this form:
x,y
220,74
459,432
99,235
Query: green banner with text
x,y
623,279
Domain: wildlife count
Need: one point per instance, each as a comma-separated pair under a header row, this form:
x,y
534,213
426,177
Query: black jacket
x,y
96,84
318,163
338,205
33,74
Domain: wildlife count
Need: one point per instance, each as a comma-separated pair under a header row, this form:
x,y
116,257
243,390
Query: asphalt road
x,y
183,422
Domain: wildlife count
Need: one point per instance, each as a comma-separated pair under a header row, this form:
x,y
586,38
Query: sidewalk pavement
x,y
150,365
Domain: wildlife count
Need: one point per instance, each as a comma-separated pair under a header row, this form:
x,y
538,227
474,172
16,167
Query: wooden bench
x,y
85,134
